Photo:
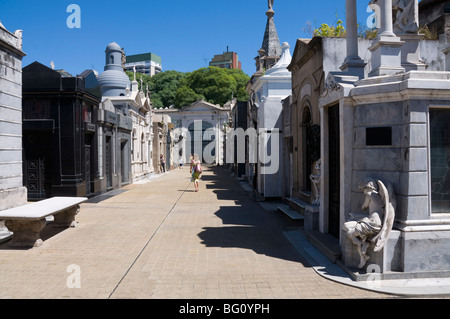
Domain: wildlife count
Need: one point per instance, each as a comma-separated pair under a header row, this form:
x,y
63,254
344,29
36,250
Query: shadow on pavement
x,y
105,196
250,226
49,231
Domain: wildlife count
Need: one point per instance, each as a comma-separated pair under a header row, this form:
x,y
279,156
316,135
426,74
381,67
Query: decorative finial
x,y
270,13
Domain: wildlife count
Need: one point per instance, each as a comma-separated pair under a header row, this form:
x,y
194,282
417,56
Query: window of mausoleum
x,y
440,160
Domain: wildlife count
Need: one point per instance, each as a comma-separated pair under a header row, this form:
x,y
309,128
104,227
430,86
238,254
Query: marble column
x,y
386,48
353,64
386,18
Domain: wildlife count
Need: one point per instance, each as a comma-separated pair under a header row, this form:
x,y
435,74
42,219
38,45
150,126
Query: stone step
x,y
326,244
300,205
305,196
293,216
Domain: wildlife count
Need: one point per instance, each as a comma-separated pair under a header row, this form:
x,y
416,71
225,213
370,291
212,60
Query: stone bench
x,y
27,221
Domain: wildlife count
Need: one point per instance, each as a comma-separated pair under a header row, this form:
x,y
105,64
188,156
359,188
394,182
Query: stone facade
x,y
163,143
420,238
199,128
287,150
12,191
60,133
387,122
115,122
312,60
268,91
238,121
267,88
141,145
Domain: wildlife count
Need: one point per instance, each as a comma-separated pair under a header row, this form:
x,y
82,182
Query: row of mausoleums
x,y
84,135
363,134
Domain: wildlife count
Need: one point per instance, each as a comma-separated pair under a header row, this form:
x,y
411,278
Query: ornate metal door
x,y
36,164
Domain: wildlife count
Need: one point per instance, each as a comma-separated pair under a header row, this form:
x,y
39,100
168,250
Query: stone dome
x,y
113,46
113,81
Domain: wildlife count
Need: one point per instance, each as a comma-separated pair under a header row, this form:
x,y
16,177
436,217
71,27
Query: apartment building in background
x,y
145,63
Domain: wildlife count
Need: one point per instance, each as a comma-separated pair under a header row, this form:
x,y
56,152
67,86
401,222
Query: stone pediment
x,y
202,106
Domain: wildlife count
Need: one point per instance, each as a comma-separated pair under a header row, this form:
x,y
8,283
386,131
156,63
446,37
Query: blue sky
x,y
186,34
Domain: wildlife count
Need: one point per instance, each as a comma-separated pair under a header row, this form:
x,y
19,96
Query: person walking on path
x,y
191,159
163,163
181,162
196,171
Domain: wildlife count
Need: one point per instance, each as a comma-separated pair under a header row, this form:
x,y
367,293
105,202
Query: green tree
x,y
186,96
217,85
241,81
164,86
326,31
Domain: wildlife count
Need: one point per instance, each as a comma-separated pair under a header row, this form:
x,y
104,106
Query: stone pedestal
x,y
311,221
66,218
386,49
384,264
26,233
353,64
389,258
410,54
386,56
350,255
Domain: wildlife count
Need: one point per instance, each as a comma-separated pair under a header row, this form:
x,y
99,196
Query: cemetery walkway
x,y
159,239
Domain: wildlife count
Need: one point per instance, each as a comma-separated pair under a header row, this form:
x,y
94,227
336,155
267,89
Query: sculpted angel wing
x,y
388,197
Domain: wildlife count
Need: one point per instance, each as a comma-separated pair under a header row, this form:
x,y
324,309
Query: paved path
x,y
160,239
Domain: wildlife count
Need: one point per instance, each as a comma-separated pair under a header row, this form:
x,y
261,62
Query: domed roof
x,y
113,81
113,46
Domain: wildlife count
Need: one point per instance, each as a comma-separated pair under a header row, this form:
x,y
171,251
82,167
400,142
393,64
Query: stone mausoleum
x,y
269,90
268,86
199,128
59,133
12,191
115,122
391,123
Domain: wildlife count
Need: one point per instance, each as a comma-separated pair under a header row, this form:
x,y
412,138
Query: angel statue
x,y
405,16
375,228
271,4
